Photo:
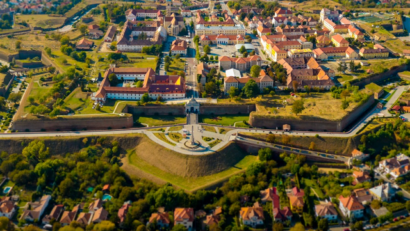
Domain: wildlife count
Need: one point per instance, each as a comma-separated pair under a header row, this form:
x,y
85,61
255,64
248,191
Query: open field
x,y
396,45
317,106
189,183
160,120
41,20
222,120
311,5
162,137
315,187
76,100
177,66
376,66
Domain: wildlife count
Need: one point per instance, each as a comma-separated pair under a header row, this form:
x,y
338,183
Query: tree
x,y
36,150
66,186
312,146
233,91
83,29
251,89
242,49
345,104
298,227
342,67
277,227
297,106
323,225
18,44
352,66
270,138
345,93
408,205
15,97
106,226
179,227
145,98
207,49
295,85
113,79
265,154
255,71
139,84
31,99
65,40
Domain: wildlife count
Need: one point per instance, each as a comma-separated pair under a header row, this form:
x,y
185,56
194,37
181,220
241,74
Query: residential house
x,y
179,46
99,215
93,27
84,44
355,33
110,34
214,218
122,212
361,177
252,216
202,69
326,211
185,217
339,41
84,218
329,14
186,13
359,155
36,210
323,41
95,205
351,207
7,208
54,214
383,192
283,12
262,30
95,34
282,214
396,166
269,194
161,218
363,196
278,21
68,217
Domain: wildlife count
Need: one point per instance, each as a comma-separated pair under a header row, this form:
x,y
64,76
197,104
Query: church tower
x,y
169,6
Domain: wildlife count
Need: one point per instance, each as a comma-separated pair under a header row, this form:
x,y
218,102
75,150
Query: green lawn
x,y
344,77
162,137
313,185
209,128
41,20
222,120
37,92
161,120
187,183
175,128
177,65
76,100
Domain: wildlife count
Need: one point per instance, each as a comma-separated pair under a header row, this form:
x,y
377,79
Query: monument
x,y
192,144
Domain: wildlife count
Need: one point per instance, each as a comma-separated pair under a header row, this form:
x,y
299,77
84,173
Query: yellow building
x,y
238,29
339,41
374,53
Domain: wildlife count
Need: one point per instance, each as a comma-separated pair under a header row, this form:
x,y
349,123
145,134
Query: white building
x,y
327,211
133,14
351,207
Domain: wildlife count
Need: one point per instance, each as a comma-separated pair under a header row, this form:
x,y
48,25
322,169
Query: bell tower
x,y
169,6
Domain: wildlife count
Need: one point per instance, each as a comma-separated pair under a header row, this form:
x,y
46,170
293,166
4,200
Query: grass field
x,y
76,100
222,120
161,120
188,183
175,128
37,92
318,106
175,136
162,137
41,20
214,143
177,66
315,187
209,128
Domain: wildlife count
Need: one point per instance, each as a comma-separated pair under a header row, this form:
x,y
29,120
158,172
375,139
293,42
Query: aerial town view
x,y
204,115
